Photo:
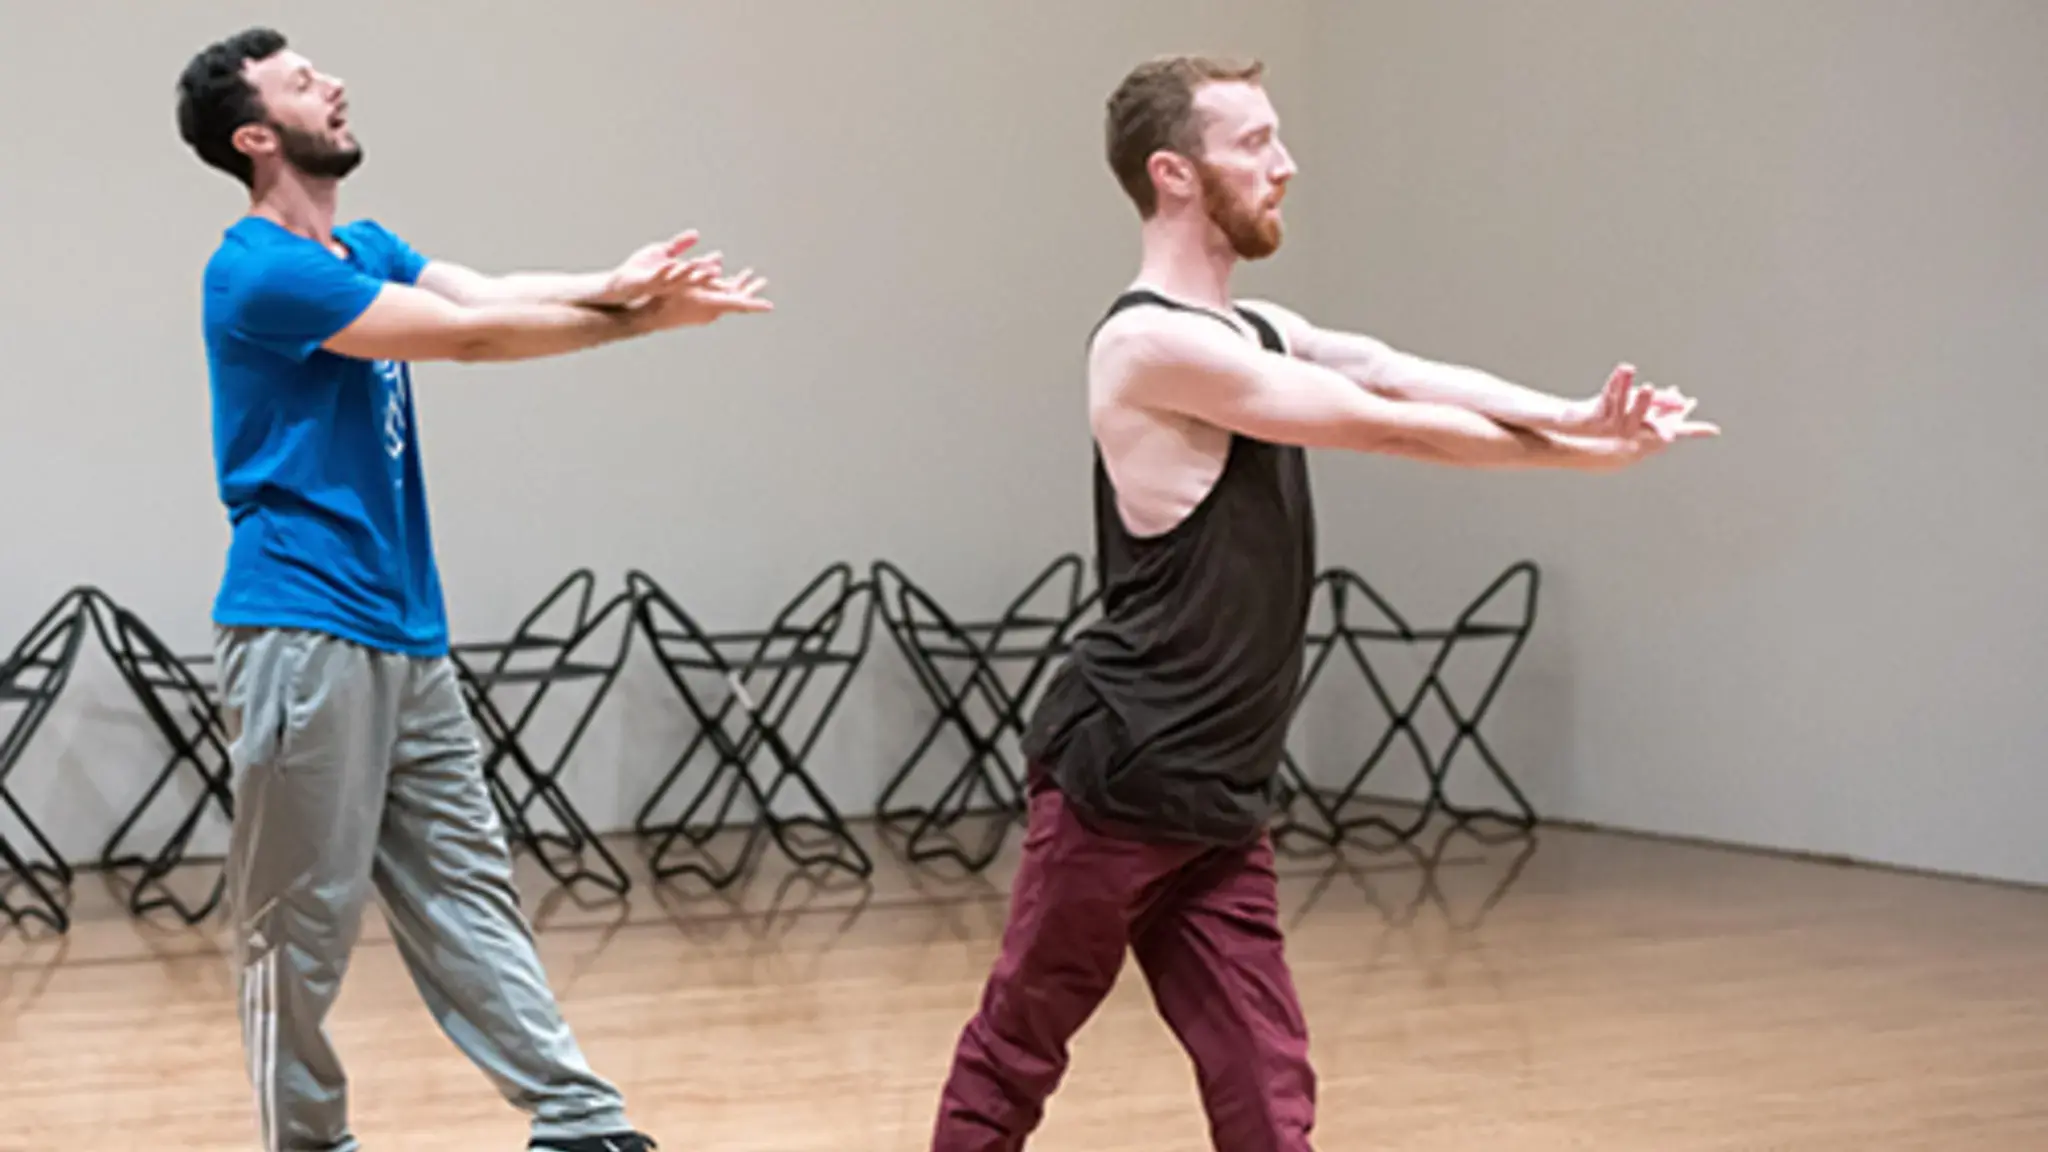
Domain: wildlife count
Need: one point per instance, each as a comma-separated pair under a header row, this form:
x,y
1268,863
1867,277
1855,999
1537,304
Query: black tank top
x,y
1171,713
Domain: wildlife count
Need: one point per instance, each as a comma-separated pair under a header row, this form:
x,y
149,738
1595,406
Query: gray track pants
x,y
359,769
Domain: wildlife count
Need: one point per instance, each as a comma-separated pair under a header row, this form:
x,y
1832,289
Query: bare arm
x,y
418,325
1394,374
1195,368
650,269
464,285
295,300
1398,375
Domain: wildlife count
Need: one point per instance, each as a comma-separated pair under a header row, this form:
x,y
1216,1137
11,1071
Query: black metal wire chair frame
x,y
788,654
576,854
1339,584
928,637
150,669
61,628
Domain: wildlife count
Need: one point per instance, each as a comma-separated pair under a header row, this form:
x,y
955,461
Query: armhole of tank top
x,y
1186,523
1132,299
1271,337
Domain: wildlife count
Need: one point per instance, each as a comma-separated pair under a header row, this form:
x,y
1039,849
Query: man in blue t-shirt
x,y
356,756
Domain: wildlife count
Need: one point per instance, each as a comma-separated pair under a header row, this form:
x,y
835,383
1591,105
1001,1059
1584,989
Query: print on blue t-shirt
x,y
316,454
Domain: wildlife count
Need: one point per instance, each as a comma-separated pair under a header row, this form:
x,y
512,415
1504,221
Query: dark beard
x,y
314,156
1252,235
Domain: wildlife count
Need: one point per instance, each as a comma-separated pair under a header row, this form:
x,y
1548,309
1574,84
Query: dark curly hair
x,y
215,99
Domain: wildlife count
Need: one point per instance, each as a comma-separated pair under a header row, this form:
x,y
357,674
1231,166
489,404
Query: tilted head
x,y
1198,134
249,105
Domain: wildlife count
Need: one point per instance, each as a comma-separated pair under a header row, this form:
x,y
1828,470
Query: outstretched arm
x,y
647,271
299,300
1195,368
413,324
1397,375
463,285
420,325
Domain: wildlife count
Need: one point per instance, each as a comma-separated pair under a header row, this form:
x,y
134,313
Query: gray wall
x,y
1825,631
1812,634
921,179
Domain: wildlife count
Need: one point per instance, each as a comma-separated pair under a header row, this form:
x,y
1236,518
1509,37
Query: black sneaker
x,y
611,1142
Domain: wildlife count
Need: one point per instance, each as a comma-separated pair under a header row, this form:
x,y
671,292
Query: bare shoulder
x,y
1295,329
1359,356
1143,355
1139,350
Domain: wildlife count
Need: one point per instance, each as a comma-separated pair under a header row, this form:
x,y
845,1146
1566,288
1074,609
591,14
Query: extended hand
x,y
702,303
1623,408
1658,432
657,269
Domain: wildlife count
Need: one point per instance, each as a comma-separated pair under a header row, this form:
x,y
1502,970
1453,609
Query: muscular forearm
x,y
530,331
548,287
1477,391
1399,375
1446,434
475,289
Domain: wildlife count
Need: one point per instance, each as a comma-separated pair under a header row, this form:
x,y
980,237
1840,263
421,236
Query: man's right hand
x,y
1658,431
699,301
1623,407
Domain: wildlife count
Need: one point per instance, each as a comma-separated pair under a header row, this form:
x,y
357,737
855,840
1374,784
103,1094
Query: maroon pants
x,y
1204,925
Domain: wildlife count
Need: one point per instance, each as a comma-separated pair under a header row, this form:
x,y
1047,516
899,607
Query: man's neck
x,y
1188,260
305,207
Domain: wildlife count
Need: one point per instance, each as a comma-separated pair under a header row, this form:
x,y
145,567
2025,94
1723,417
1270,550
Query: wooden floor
x,y
1578,990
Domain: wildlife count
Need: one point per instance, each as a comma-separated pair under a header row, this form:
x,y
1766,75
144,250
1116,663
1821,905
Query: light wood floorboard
x,y
1621,994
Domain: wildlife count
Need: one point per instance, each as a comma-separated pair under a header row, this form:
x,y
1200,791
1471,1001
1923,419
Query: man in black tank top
x,y
1156,748
1171,712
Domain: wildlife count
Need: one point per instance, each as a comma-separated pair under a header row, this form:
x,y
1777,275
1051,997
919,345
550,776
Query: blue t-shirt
x,y
316,454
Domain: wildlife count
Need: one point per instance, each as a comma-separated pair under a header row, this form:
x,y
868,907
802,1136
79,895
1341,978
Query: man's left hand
x,y
658,269
1625,408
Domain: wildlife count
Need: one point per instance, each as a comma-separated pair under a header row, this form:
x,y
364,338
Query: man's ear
x,y
1172,174
254,139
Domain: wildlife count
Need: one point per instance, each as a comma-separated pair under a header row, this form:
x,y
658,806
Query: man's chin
x,y
1262,248
334,167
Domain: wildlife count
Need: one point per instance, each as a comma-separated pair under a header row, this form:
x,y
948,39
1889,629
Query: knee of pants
x,y
318,922
1042,1008
1058,966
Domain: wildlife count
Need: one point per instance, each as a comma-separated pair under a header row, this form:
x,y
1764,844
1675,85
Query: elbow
x,y
1422,452
1395,390
473,350
1372,435
473,341
418,327
1429,445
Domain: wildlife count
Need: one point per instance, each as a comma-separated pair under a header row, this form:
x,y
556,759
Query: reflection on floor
x,y
1562,990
